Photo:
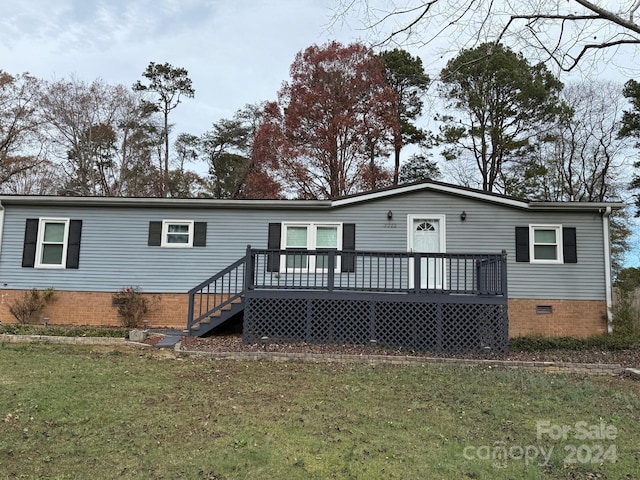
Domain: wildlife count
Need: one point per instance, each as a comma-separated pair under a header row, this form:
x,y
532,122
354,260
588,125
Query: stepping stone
x,y
168,342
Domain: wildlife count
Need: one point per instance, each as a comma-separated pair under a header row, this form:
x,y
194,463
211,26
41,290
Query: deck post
x,y
190,311
417,280
503,274
249,267
331,274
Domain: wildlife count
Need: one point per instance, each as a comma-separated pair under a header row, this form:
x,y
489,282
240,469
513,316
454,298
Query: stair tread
x,y
216,319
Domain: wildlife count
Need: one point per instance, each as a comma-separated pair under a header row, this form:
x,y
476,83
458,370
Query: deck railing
x,y
218,291
388,272
415,301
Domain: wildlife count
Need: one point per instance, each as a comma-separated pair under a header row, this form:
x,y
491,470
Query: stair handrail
x,y
232,296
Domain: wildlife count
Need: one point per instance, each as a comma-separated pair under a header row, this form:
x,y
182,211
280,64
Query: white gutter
x,y
607,266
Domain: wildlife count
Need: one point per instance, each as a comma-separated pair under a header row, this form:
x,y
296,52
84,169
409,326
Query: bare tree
x,y
21,144
104,138
43,179
562,31
583,158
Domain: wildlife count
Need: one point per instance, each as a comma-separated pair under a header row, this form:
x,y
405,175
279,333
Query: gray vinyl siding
x,y
114,251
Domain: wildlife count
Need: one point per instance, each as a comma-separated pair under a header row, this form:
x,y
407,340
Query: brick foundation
x,y
568,318
575,318
95,308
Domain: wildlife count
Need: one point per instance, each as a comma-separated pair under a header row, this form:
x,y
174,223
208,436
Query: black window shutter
x,y
73,243
273,243
30,240
155,234
569,245
200,234
522,244
348,262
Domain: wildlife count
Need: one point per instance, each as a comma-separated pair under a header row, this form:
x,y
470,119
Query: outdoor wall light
x,y
463,216
389,215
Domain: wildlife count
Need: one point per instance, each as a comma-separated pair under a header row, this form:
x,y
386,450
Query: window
x,y
303,237
426,227
177,233
51,249
545,243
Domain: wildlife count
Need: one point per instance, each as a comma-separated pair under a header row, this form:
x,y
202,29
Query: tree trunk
x,y
165,170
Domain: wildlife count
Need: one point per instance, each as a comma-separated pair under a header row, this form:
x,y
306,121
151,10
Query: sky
x,y
235,51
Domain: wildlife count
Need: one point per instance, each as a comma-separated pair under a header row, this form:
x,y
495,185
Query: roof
x,y
429,185
490,197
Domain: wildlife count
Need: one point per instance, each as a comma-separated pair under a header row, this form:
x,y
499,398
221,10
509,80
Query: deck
x,y
401,300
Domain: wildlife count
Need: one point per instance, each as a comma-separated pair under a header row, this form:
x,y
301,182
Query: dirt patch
x,y
233,343
153,340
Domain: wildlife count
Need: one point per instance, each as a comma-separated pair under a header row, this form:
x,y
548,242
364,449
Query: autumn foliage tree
x,y
332,122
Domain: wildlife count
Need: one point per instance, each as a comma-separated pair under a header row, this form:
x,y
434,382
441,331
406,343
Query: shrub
x,y
625,316
27,308
598,342
132,306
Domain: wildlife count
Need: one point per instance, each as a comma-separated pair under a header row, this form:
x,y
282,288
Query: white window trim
x,y
559,241
40,243
165,234
311,245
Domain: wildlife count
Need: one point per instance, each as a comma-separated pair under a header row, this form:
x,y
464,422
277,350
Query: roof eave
x,y
437,187
162,202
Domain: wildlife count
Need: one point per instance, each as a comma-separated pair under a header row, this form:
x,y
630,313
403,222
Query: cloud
x,y
236,52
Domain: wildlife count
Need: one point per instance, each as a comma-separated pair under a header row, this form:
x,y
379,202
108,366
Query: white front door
x,y
426,235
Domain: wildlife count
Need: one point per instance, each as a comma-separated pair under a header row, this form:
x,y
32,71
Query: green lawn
x,y
71,412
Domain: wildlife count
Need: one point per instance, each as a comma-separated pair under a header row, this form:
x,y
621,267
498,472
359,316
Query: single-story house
x,y
549,261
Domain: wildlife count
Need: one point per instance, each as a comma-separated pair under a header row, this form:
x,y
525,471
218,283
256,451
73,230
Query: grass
x,y
64,331
70,412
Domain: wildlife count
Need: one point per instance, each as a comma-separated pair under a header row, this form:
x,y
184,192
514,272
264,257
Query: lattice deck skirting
x,y
426,322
